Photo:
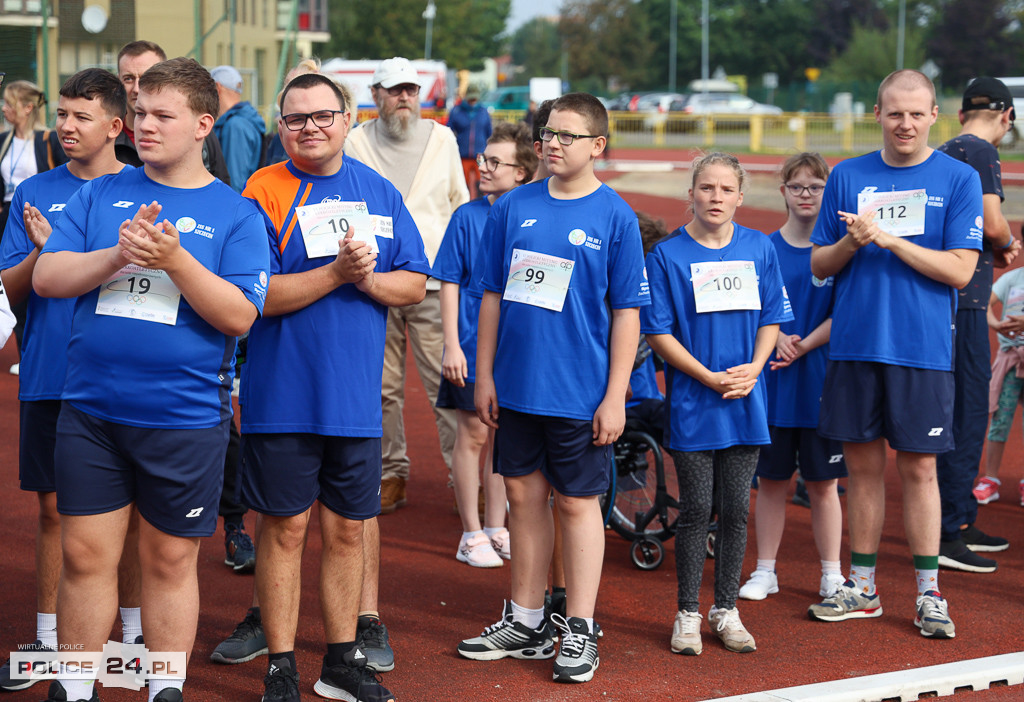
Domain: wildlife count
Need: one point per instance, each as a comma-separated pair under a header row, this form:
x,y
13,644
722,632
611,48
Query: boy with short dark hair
x,y
146,407
563,278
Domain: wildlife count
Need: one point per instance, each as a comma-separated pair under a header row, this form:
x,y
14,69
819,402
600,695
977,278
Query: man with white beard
x,y
421,158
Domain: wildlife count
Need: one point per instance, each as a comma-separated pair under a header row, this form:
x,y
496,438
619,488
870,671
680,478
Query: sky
x,y
525,10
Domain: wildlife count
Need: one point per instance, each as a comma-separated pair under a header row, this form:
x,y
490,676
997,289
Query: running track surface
x,y
430,601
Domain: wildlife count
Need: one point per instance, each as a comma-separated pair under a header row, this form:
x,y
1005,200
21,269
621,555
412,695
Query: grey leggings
x,y
723,477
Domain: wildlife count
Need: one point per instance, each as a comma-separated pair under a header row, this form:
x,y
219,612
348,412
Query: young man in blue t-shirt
x,y
162,294
900,229
89,117
564,279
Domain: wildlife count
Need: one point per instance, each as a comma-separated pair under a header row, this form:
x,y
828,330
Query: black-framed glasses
x,y
491,164
296,121
564,138
410,89
796,190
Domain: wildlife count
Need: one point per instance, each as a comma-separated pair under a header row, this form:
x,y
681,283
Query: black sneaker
x,y
11,684
281,683
977,540
169,694
956,556
372,638
509,638
577,657
246,642
351,680
555,604
57,693
240,553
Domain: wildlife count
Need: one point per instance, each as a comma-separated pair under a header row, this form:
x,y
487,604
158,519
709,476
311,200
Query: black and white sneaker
x,y
57,693
10,683
169,694
281,683
955,555
508,638
977,540
246,642
577,657
351,680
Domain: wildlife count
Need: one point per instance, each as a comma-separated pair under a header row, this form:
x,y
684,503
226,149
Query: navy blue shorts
x,y
284,474
817,457
174,476
38,441
911,407
451,396
561,449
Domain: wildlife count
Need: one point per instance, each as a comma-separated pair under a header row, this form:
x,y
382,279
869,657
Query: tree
x,y
834,24
537,47
870,55
605,39
973,38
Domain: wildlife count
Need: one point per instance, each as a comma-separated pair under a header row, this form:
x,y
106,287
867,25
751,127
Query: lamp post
x,y
429,14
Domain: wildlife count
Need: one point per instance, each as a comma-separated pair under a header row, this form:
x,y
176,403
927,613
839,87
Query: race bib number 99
x,y
900,213
140,293
538,279
324,223
725,285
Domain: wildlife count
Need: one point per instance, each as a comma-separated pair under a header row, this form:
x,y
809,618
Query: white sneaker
x,y
686,634
830,584
478,552
501,543
761,584
726,624
16,369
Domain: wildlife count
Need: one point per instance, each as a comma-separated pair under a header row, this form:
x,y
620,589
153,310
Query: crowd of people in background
x,y
160,213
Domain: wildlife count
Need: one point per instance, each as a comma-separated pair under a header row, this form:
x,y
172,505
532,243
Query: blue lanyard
x,y
16,161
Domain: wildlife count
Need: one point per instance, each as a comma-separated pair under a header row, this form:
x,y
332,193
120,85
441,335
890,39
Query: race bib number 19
x,y
725,285
538,279
324,223
900,212
140,293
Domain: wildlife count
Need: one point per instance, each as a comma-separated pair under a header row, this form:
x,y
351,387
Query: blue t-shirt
x,y
794,392
456,261
44,346
318,369
644,383
144,373
552,363
698,418
885,311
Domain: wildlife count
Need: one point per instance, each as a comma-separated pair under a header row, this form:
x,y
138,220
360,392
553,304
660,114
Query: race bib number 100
x,y
538,279
900,212
725,285
324,223
140,293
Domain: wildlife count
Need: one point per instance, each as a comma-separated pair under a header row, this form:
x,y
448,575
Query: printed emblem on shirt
x,y
123,204
819,283
56,207
187,225
577,237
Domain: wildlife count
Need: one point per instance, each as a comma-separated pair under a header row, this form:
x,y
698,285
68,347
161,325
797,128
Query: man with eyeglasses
x,y
343,250
986,115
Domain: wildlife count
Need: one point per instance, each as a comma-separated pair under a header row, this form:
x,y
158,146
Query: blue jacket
x,y
472,127
240,131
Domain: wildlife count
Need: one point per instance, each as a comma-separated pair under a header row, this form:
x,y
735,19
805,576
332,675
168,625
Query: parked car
x,y
722,103
656,106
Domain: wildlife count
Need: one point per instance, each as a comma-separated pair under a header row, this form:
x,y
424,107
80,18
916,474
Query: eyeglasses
x,y
491,164
296,121
407,88
797,190
564,138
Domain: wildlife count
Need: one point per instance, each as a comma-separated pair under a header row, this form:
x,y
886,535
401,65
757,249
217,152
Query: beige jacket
x,y
438,188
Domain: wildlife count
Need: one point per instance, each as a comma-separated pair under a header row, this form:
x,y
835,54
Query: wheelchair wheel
x,y
647,553
638,460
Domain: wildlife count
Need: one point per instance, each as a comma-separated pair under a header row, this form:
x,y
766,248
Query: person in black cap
x,y
986,115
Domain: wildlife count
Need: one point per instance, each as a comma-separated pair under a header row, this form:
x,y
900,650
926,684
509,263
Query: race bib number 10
x,y
140,293
725,285
324,223
900,212
538,279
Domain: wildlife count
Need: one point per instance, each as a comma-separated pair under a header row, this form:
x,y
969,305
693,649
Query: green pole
x,y
197,21
45,82
286,49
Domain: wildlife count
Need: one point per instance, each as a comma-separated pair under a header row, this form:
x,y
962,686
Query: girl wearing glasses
x,y
794,384
506,163
717,299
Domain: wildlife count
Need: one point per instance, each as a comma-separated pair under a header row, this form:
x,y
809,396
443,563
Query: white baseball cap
x,y
229,77
395,71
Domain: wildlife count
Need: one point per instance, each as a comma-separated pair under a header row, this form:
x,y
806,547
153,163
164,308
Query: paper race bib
x,y
140,293
900,213
324,223
538,279
725,285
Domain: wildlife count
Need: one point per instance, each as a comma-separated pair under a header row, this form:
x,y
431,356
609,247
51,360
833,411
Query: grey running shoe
x,y
933,616
246,642
508,638
577,656
686,634
239,551
847,603
12,683
372,637
351,680
281,683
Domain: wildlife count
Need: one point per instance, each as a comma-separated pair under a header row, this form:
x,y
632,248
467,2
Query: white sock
x,y
590,624
158,685
766,565
491,531
997,481
131,624
467,535
77,688
830,567
46,629
530,618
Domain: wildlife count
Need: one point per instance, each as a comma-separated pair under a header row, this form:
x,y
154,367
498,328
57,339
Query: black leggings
x,y
723,476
